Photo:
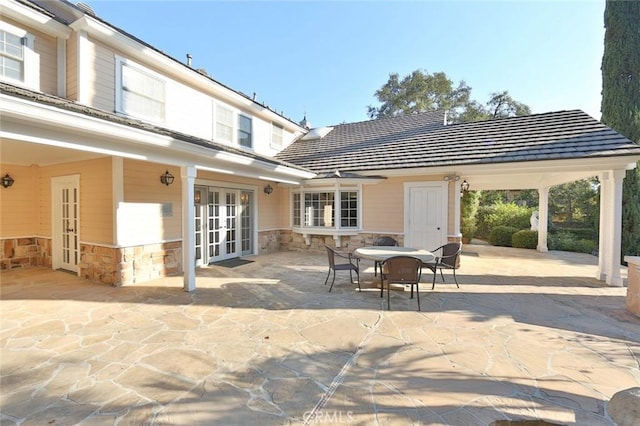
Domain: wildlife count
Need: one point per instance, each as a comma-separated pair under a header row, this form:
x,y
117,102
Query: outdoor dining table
x,y
382,253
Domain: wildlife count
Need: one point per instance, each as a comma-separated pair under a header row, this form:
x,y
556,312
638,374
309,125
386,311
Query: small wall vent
x,y
86,8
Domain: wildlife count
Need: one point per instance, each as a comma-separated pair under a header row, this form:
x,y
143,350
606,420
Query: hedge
x,y
502,236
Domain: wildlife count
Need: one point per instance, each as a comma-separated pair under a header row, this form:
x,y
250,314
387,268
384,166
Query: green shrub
x,y
502,235
525,239
502,214
566,241
468,208
579,233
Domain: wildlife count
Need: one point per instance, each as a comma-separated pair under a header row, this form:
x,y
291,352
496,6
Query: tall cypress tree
x,y
621,102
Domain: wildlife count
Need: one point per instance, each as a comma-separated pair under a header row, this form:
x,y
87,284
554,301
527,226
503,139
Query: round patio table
x,y
382,253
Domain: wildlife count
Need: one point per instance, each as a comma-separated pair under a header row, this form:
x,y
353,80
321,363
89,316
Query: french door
x,y
224,224
65,198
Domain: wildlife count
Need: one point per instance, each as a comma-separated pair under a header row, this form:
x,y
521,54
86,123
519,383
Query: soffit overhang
x,y
44,125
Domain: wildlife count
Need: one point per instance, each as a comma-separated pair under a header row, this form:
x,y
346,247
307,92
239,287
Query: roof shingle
x,y
422,140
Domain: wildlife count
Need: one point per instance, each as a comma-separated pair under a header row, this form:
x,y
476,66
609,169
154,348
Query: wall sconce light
x,y
464,186
166,178
268,189
7,180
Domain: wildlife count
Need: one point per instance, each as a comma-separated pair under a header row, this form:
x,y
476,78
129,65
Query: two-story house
x,y
122,164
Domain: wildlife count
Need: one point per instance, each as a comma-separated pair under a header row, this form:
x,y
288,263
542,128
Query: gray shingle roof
x,y
421,140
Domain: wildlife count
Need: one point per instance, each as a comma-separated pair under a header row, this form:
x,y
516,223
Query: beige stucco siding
x,y
101,76
96,214
19,203
46,48
383,206
141,184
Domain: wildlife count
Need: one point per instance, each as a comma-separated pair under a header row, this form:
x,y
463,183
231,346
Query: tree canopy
x,y
421,91
621,102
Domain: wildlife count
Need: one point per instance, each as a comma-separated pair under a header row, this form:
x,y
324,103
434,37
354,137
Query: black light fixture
x,y
268,189
7,180
464,186
167,178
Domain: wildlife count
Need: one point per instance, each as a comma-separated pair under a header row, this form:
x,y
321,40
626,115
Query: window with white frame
x,y
139,92
244,131
18,61
277,135
224,123
326,209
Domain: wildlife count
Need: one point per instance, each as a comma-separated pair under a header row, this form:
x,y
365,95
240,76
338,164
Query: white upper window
x,y
139,92
224,123
232,127
244,131
18,62
277,132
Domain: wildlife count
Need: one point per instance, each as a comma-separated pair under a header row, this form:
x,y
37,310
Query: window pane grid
x,y
349,209
244,131
11,56
142,94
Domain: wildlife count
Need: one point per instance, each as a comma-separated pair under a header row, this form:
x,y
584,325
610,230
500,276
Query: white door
x,y
426,219
65,199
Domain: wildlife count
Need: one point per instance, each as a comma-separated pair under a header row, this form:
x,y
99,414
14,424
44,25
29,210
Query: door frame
x,y
238,187
443,187
57,183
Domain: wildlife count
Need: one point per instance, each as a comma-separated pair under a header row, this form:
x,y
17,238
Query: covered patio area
x,y
528,335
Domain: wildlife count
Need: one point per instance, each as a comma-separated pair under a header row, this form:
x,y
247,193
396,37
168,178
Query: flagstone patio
x,y
527,335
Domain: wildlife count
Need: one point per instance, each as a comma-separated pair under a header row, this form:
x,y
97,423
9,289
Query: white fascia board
x,y
34,19
592,164
343,181
148,57
119,139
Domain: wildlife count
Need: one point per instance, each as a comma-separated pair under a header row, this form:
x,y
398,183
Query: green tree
x,y
621,102
421,91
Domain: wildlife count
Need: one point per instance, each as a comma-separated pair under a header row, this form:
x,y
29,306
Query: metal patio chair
x,y
349,265
448,258
401,270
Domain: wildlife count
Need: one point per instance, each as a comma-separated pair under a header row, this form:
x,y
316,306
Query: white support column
x,y
615,245
457,199
603,272
611,228
543,219
188,179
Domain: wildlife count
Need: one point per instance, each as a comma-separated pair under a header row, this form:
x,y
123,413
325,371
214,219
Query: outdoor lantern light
x,y
167,178
268,189
464,186
7,180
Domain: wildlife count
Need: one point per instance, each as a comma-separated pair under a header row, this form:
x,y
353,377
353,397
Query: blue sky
x,y
327,58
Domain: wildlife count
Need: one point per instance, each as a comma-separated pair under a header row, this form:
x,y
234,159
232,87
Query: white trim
x,y
61,47
84,83
30,59
34,19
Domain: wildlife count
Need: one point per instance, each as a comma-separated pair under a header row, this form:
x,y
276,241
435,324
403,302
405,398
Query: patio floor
x,y
527,335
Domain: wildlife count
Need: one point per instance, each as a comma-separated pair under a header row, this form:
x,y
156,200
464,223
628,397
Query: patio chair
x,y
382,241
401,270
346,266
448,258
